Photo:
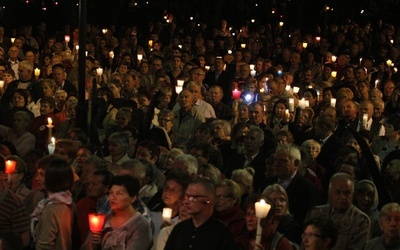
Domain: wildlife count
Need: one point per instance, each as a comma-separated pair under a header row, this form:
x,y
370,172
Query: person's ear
x,y
296,163
133,199
327,241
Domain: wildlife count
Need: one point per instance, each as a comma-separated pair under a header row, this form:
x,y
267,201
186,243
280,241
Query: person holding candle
x,y
279,119
124,228
302,128
270,238
16,184
52,219
366,110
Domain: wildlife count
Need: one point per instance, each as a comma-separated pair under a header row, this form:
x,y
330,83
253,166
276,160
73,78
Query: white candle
x,y
111,54
207,67
67,38
389,63
167,214
376,83
262,209
365,120
77,47
12,39
281,24
296,90
139,57
252,66
307,102
333,102
229,52
52,146
287,88
253,73
1,83
334,58
287,113
178,89
180,83
291,104
243,45
305,45
302,103
334,74
99,71
49,122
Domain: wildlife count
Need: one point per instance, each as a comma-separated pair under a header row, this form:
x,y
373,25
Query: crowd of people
x,y
205,122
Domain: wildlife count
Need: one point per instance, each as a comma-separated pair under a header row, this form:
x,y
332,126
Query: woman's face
x,y
144,68
172,193
166,122
365,198
47,61
82,155
224,200
47,91
218,132
393,170
202,135
119,198
115,148
114,89
280,203
18,100
7,78
251,219
169,160
303,119
280,110
165,99
121,120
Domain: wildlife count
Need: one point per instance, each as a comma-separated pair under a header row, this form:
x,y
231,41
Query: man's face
x,y
30,56
186,99
96,188
196,91
366,108
214,95
312,239
129,83
13,53
195,199
219,64
390,225
341,194
388,89
378,109
24,73
284,166
349,73
361,76
58,75
256,114
157,64
252,142
349,110
45,109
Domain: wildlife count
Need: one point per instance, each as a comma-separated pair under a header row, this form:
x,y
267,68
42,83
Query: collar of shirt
x,y
286,183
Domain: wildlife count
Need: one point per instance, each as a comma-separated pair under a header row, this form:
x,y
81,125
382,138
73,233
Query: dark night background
x,y
303,13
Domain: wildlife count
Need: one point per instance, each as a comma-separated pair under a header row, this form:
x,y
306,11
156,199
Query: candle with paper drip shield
x,y
99,71
37,72
1,83
334,74
180,83
291,104
365,120
302,103
296,89
10,169
111,54
140,57
96,222
333,102
178,89
67,38
167,214
52,146
334,58
207,67
262,210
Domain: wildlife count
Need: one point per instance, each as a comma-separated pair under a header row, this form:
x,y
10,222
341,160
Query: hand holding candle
x,y
365,120
236,94
10,169
96,222
52,146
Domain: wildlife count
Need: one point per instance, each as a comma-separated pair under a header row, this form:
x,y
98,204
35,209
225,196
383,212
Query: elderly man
x,y
187,118
203,107
215,95
25,81
352,224
202,231
59,76
302,193
389,222
376,128
220,77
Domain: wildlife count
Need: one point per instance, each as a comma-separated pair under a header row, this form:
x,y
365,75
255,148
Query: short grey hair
x,y
190,162
292,149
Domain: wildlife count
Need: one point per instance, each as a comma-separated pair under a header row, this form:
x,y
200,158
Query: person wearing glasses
x,y
319,233
202,231
227,206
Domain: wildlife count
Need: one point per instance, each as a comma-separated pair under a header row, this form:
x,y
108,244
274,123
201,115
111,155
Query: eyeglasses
x,y
308,235
223,197
193,198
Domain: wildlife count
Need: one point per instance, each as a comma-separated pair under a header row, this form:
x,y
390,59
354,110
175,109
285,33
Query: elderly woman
x,y
227,206
221,131
124,228
270,238
170,158
161,134
118,145
17,186
23,141
244,178
283,222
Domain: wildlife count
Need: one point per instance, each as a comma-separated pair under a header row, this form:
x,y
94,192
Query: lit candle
x,y
96,222
207,67
104,31
77,47
180,83
37,72
296,89
252,66
376,83
236,94
391,41
167,214
243,45
334,74
253,73
280,24
365,120
99,71
310,86
307,102
253,20
52,146
305,45
67,38
389,63
262,90
287,88
1,83
230,52
334,58
287,113
12,39
302,103
318,38
178,89
49,122
262,209
180,46
279,72
10,169
140,57
111,54
291,104
333,102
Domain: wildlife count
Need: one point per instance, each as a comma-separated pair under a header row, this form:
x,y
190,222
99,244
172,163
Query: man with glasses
x,y
202,231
